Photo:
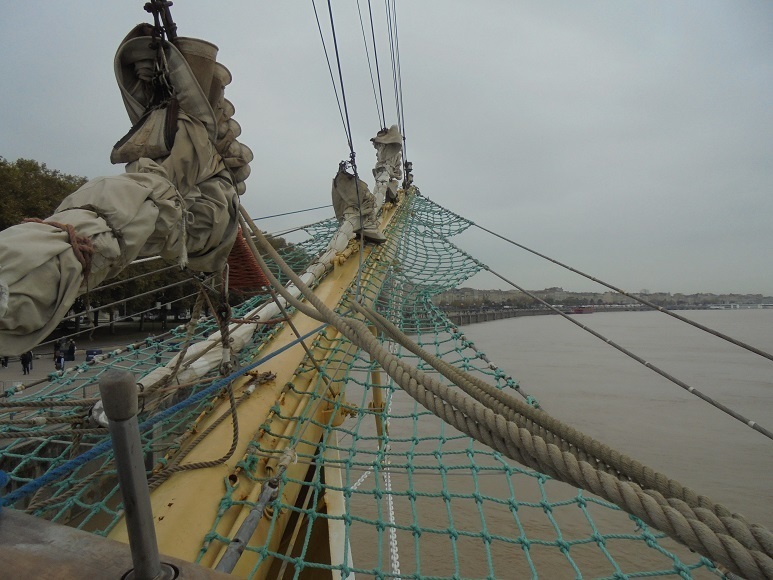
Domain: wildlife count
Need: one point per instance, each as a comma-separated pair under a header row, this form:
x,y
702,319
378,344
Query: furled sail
x,y
178,197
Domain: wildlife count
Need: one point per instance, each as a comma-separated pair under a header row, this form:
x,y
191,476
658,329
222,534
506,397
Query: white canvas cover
x,y
182,205
149,210
389,164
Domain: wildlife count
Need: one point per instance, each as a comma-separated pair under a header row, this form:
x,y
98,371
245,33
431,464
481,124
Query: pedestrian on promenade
x,y
59,360
26,362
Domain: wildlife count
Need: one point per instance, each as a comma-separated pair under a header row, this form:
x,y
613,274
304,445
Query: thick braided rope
x,y
81,245
505,436
533,451
586,448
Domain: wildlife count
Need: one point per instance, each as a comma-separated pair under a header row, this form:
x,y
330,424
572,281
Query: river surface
x,y
597,389
587,383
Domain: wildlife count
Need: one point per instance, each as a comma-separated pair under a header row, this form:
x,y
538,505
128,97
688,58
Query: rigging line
x,y
329,68
716,333
381,120
399,78
352,155
295,229
375,55
64,469
692,390
288,213
143,260
125,300
348,126
390,33
119,282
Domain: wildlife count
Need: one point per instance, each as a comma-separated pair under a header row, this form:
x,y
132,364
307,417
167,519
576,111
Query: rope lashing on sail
x,y
638,299
82,247
707,528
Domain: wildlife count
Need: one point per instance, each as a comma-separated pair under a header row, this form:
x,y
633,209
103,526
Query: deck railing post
x,y
119,397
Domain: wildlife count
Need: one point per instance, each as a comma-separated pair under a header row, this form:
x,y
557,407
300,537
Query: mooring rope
x,y
716,533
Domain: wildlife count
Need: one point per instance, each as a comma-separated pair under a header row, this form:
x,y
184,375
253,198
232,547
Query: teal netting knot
x,y
453,534
514,505
380,526
546,506
525,543
163,461
478,498
619,576
249,463
598,538
378,494
445,495
581,501
486,537
347,519
416,530
563,545
532,401
650,540
683,570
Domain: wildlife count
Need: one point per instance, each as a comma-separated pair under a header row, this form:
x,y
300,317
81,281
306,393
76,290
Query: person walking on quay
x,y
26,362
59,360
70,353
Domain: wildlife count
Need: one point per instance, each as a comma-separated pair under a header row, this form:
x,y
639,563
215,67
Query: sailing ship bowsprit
x,y
332,422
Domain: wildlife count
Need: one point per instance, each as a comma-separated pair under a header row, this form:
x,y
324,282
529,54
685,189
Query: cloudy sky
x,y
630,139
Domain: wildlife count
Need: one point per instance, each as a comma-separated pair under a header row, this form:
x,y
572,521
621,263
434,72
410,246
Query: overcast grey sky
x,y
630,139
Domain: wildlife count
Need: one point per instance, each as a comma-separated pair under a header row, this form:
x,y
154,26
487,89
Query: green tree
x,y
29,189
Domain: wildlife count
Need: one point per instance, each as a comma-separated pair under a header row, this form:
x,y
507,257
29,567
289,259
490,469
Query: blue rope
x,y
64,469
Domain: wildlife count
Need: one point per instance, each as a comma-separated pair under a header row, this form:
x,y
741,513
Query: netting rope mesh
x,y
421,499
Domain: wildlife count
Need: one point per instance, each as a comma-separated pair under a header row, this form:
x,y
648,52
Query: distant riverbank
x,y
482,313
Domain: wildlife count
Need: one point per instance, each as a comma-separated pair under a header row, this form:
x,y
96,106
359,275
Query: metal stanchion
x,y
119,397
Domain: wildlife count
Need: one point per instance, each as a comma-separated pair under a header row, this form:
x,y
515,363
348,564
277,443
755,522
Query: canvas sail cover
x,y
182,206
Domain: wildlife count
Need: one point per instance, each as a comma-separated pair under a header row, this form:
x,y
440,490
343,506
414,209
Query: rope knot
x,y
81,245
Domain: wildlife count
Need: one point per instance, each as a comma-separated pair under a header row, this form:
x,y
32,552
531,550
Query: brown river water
x,y
592,386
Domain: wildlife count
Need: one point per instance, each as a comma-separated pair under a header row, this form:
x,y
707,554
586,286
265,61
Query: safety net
x,y
420,499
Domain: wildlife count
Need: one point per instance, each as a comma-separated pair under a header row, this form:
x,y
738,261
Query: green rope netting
x,y
421,500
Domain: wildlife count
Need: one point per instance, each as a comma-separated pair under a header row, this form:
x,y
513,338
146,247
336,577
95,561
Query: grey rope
x,y
735,545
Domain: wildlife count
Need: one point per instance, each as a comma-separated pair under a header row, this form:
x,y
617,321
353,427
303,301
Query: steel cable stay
x,y
266,217
750,423
394,53
638,299
692,390
126,300
379,110
329,66
378,69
